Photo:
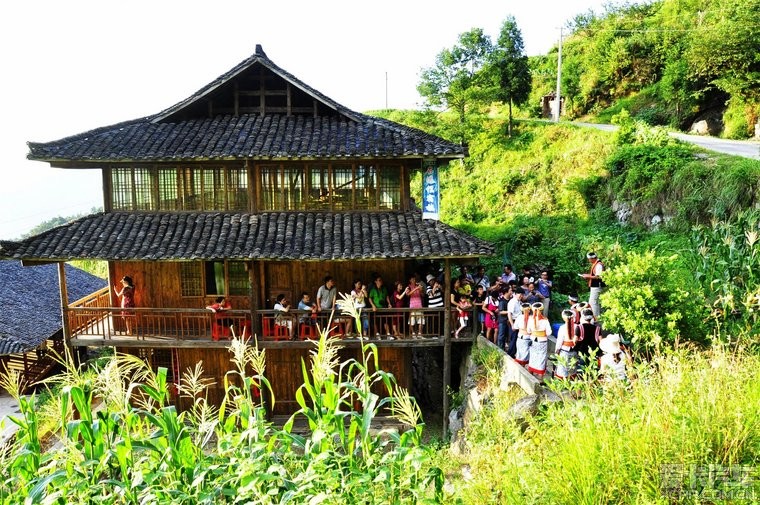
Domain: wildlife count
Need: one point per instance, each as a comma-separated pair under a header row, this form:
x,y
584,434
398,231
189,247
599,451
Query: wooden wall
x,y
283,370
157,283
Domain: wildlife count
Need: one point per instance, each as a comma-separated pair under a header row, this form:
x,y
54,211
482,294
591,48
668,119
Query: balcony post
x,y
64,305
446,343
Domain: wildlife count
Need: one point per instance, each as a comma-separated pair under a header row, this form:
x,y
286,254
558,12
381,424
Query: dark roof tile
x,y
269,235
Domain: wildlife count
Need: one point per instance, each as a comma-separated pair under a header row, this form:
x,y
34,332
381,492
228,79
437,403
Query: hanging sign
x,y
430,190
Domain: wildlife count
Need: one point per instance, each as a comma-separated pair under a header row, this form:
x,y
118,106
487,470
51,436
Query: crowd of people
x,y
509,309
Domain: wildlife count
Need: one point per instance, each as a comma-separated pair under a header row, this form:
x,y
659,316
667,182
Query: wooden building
x,y
30,320
255,185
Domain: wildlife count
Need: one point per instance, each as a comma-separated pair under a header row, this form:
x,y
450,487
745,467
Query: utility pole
x,y
557,96
386,90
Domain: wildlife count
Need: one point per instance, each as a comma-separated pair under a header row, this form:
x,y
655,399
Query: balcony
x,y
92,322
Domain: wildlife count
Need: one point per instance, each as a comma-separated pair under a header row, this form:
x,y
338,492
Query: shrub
x,y
650,302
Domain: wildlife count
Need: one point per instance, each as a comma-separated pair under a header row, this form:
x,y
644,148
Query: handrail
x,y
97,296
193,323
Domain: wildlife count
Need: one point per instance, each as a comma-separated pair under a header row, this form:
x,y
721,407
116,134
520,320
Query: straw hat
x,y
429,278
610,344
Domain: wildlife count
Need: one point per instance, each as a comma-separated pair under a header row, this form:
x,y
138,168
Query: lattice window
x,y
143,183
293,179
191,189
342,187
389,187
365,192
168,190
318,189
191,279
238,278
122,188
270,187
213,189
237,188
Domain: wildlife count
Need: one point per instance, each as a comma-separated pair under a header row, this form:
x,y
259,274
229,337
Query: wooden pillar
x,y
446,344
255,296
64,304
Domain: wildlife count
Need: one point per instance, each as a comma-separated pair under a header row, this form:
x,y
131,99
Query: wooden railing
x,y
94,322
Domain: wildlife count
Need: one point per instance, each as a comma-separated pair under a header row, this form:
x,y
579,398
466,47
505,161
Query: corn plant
x,y
115,437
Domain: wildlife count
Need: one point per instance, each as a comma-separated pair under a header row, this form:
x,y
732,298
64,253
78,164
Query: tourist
x,y
514,311
281,316
359,296
127,296
490,308
416,317
504,330
595,282
435,301
326,294
462,305
544,287
508,275
567,356
481,279
398,301
532,295
310,316
478,298
379,299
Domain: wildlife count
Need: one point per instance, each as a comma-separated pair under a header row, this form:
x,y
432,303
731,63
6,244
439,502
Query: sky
x,y
70,66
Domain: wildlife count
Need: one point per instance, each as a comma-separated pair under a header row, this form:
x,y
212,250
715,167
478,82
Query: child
x,y
490,307
398,301
463,306
477,300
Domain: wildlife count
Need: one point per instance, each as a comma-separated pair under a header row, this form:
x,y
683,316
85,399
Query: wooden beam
x,y
288,91
64,304
446,344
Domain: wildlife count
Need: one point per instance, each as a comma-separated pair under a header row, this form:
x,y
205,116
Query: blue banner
x,y
430,190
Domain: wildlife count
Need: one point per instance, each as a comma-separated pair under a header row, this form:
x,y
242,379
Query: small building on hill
x,y
31,316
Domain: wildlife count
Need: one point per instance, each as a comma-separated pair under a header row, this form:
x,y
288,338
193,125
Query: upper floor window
x,y
183,188
207,278
334,186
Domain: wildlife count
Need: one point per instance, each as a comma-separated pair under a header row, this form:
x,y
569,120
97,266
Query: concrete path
x,y
8,406
744,148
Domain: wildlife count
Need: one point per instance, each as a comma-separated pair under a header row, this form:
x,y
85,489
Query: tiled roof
x,y
31,302
264,236
168,136
246,137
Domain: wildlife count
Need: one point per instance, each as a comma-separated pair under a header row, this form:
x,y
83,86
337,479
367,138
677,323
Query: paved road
x,y
744,148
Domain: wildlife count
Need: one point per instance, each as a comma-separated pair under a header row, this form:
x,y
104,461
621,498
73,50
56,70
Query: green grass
x,y
685,408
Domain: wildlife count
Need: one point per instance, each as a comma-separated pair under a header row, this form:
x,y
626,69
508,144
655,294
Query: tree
x,y
455,80
508,65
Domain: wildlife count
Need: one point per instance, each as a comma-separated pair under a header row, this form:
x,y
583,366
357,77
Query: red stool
x,y
307,331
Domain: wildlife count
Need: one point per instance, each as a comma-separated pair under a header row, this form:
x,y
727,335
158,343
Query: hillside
x,y
669,62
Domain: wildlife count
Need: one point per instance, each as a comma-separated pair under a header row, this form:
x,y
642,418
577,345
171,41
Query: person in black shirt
x,y
588,336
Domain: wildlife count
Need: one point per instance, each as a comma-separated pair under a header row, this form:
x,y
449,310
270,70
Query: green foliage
x,y
725,261
136,448
665,61
57,221
684,408
650,301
